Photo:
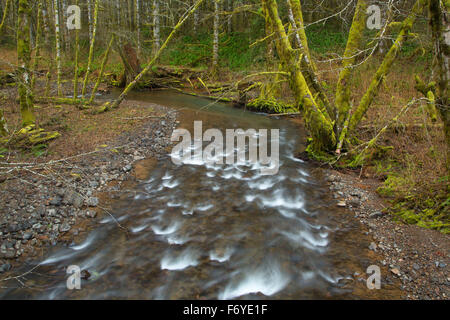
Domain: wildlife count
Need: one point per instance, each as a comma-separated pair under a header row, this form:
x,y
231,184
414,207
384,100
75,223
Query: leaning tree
x,y
332,124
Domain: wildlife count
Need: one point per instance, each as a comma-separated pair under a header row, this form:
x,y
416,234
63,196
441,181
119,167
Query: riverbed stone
x,y
92,202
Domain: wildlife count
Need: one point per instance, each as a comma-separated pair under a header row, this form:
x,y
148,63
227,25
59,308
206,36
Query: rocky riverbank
x,y
51,202
418,257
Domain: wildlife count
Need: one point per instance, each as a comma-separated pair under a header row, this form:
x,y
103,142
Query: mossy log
x,y
30,136
270,106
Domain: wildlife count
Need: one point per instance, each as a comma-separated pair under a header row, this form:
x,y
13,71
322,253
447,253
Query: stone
x,y
91,214
127,168
27,236
9,254
396,271
373,246
56,201
342,204
5,267
375,215
64,227
92,202
354,203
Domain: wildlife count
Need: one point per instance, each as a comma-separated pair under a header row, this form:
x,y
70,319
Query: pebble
x,y
92,202
27,236
127,168
64,227
91,214
375,215
342,204
56,201
5,267
396,271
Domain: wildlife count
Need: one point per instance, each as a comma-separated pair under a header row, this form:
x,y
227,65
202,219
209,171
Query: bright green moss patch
x,y
430,211
270,106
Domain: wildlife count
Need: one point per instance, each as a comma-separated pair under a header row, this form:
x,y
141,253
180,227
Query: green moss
x,y
317,155
271,106
427,211
392,186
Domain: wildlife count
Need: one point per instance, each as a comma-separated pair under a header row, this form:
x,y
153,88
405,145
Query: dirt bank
x,y
418,257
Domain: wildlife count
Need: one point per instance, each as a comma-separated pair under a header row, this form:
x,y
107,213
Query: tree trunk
x,y
156,27
58,48
343,92
385,67
102,68
3,126
215,60
440,25
308,66
323,138
131,63
137,19
77,53
91,50
89,7
24,62
5,13
38,46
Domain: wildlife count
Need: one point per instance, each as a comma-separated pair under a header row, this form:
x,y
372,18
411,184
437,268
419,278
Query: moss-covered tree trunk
x,y
343,93
440,25
5,13
3,126
91,50
37,54
388,60
102,69
24,63
323,137
308,66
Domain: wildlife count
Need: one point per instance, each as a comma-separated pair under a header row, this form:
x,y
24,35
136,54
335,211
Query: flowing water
x,y
200,231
